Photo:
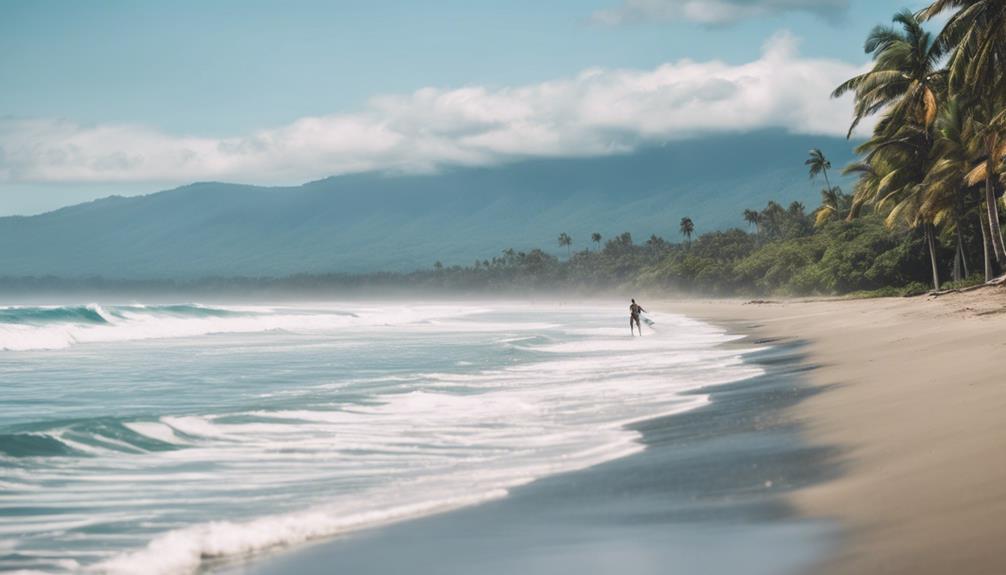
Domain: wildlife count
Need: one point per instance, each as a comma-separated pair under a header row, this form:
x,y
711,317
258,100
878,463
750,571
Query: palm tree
x,y
946,188
834,205
905,80
832,199
772,220
975,35
870,180
976,32
796,210
991,150
687,227
907,151
818,165
567,242
905,84
753,218
596,238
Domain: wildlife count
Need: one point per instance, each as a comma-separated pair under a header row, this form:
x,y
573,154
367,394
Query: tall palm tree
x,y
819,164
976,32
975,37
990,136
753,218
906,84
902,190
946,185
833,202
906,79
596,238
687,228
566,241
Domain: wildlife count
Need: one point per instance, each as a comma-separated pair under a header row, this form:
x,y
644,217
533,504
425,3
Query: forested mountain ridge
x,y
374,222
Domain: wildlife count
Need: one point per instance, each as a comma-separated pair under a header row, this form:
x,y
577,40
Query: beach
x,y
914,400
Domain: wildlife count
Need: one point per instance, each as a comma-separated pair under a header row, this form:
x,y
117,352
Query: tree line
x,y
935,159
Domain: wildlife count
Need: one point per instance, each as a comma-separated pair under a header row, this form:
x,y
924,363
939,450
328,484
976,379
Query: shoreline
x,y
708,494
916,403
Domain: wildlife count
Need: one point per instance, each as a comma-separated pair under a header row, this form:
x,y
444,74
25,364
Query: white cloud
x,y
713,11
599,111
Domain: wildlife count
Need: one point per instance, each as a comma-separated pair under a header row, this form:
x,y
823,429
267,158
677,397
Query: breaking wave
x,y
24,328
152,465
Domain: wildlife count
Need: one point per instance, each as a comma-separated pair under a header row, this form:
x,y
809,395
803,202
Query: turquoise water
x,y
155,438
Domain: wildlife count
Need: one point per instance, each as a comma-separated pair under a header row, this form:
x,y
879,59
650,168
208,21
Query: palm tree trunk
x,y
958,250
995,230
958,258
931,242
986,248
960,235
826,180
964,257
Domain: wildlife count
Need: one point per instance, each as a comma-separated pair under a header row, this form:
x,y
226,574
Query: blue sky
x,y
130,97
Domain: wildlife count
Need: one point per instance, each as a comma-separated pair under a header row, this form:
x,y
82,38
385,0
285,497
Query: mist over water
x,y
153,438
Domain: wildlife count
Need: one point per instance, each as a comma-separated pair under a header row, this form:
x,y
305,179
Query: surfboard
x,y
646,319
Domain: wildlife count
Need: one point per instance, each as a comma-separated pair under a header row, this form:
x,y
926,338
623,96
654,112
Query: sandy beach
x,y
915,401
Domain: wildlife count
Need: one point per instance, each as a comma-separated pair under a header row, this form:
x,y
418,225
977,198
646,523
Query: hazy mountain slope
x,y
379,222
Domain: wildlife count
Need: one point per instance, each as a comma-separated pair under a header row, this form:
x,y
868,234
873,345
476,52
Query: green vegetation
x,y
787,256
935,158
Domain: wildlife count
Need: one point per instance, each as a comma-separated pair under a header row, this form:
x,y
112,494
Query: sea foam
x,y
447,407
48,328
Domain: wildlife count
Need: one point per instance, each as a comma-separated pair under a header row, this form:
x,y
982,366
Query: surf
x,y
26,328
352,416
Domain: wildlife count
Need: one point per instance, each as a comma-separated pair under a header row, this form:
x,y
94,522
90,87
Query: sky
x,y
123,97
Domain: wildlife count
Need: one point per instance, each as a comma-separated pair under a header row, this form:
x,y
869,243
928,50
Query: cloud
x,y
714,12
597,112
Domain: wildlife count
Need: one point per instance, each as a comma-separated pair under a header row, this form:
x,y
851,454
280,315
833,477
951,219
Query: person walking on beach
x,y
634,310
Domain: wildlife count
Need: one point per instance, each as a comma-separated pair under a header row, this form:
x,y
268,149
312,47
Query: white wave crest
x,y
138,322
185,550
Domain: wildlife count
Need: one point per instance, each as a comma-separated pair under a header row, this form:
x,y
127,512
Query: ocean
x,y
164,439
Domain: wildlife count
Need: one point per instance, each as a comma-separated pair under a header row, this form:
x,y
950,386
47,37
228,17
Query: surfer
x,y
634,310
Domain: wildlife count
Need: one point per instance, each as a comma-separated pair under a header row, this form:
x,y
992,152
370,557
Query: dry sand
x,y
918,405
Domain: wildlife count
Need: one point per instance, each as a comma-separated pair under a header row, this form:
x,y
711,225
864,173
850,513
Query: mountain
x,y
371,222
